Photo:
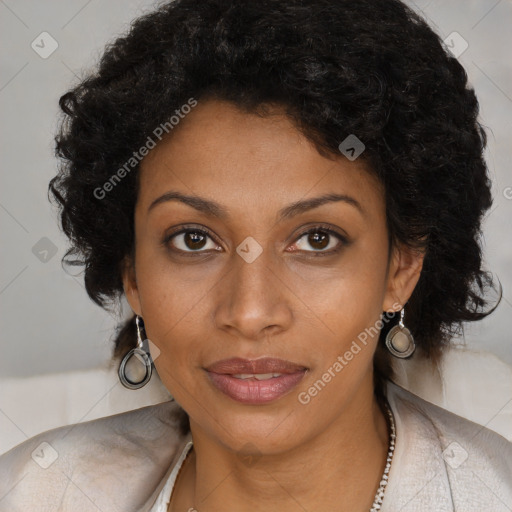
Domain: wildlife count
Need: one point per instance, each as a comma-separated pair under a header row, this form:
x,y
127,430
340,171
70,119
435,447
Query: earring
x,y
399,339
136,366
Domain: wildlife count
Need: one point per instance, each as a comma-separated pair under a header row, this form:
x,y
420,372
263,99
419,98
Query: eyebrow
x,y
213,209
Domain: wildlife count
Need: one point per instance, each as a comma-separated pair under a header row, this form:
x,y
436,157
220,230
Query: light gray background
x,y
48,324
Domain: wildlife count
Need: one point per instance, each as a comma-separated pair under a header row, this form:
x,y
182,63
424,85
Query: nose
x,y
254,302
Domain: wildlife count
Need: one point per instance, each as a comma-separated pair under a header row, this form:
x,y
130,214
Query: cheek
x,y
346,339
172,305
346,297
175,324
169,292
347,305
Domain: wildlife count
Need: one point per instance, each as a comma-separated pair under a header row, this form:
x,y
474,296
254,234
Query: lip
x,y
254,392
237,365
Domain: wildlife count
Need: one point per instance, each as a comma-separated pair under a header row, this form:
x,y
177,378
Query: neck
x,y
344,464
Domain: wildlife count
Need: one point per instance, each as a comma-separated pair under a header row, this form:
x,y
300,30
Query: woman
x,y
289,195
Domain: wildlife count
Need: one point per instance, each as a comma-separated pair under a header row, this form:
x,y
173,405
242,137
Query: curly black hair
x,y
373,68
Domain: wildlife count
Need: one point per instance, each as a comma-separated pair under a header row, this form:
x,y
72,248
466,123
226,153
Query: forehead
x,y
240,158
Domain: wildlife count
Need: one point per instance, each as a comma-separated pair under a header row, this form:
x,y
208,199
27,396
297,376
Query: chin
x,y
266,430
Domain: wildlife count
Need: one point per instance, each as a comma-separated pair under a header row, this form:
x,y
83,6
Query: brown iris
x,y
318,239
194,240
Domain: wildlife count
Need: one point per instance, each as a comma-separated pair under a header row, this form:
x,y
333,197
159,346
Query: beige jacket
x,y
120,463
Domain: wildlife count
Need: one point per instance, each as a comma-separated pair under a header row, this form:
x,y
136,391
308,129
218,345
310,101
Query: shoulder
x,y
446,425
469,462
460,383
113,463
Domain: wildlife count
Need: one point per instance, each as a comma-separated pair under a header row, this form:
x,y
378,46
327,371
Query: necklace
x,y
379,496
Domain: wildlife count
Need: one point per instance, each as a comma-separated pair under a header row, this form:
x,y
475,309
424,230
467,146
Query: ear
x,y
403,274
130,284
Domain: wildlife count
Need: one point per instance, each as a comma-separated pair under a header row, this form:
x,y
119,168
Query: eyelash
x,y
203,231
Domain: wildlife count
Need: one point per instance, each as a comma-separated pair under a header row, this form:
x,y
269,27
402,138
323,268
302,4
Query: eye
x,y
190,240
323,240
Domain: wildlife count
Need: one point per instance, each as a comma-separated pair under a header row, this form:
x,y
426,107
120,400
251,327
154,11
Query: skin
x,y
287,303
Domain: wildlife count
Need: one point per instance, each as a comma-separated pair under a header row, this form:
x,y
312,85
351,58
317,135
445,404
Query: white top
x,y
129,462
407,480
162,502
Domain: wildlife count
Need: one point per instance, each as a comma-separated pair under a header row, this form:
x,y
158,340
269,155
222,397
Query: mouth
x,y
256,376
261,366
256,381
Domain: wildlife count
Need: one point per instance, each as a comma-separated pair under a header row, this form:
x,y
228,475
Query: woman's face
x,y
256,284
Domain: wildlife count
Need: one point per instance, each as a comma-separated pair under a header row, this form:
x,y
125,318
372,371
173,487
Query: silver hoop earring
x,y
399,340
136,366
